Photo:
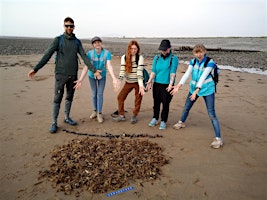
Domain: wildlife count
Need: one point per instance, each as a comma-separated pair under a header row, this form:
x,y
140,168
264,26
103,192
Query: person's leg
x,y
210,104
60,81
100,94
210,101
137,100
93,85
100,97
188,105
156,100
69,98
166,100
156,104
127,88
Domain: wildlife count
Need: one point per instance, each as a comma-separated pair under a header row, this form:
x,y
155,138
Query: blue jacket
x,y
208,86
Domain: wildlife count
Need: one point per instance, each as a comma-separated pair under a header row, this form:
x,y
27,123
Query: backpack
x,y
216,72
145,72
60,44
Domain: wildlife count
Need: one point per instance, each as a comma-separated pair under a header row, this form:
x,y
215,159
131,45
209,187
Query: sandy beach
x,y
195,171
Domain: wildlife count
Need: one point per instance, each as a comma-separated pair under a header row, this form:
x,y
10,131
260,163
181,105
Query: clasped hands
x,y
78,83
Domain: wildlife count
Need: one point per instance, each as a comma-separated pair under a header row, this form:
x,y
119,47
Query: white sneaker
x,y
100,118
93,115
216,143
179,125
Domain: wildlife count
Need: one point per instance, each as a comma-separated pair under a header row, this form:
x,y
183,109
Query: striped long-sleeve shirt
x,y
137,71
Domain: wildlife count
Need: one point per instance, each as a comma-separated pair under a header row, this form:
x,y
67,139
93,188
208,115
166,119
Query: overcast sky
x,y
135,18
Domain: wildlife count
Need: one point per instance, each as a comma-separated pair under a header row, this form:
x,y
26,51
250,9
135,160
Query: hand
x,y
97,74
174,90
77,85
193,96
169,88
141,90
148,86
116,85
31,74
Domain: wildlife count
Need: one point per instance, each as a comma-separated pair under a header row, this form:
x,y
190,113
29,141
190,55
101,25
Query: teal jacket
x,y
67,58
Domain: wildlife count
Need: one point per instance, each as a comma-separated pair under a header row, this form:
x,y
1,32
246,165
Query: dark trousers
x,y
161,96
60,82
127,88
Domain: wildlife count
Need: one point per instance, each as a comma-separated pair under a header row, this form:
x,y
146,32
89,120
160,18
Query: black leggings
x,y
160,95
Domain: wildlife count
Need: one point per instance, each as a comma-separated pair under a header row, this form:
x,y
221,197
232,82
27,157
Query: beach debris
x,y
110,135
120,191
102,165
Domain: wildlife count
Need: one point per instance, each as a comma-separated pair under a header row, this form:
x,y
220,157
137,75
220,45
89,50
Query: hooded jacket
x,y
67,58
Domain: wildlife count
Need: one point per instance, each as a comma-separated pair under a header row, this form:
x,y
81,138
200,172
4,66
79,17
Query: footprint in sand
x,y
198,183
41,78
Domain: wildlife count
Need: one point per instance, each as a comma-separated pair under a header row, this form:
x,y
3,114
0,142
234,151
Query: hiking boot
x,y
53,128
179,125
93,115
153,122
133,120
70,121
100,118
162,125
119,118
216,143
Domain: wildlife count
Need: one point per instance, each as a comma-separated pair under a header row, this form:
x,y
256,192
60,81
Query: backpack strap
x,y
61,40
194,62
207,61
136,58
214,71
205,64
105,55
170,61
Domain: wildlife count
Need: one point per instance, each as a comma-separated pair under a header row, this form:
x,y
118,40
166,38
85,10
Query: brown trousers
x,y
127,88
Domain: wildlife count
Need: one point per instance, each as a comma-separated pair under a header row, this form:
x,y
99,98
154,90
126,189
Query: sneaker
x,y
100,118
93,115
216,143
70,121
119,118
53,128
133,120
162,125
179,125
153,122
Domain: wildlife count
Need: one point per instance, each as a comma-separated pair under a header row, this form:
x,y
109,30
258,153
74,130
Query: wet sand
x,y
195,171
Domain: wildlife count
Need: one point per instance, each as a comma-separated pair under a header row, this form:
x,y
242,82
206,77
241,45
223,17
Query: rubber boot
x,y
67,119
55,112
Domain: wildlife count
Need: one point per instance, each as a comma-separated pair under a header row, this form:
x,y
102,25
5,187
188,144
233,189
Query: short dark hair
x,y
68,19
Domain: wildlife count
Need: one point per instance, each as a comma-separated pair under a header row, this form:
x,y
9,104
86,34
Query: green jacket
x,y
67,58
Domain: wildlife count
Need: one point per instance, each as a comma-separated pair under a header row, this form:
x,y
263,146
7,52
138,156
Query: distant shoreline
x,y
23,37
235,52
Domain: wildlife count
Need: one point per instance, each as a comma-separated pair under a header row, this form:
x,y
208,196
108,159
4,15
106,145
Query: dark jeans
x,y
160,95
60,81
